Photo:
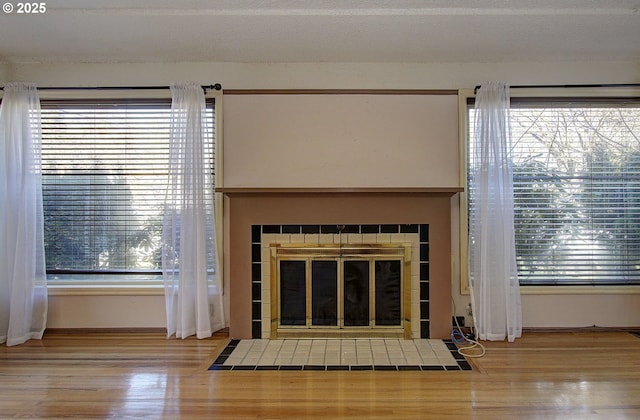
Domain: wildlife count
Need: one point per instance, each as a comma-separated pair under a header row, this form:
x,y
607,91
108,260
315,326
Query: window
x,y
104,166
576,174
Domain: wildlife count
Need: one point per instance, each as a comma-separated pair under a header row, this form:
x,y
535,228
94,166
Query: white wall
x,y
106,311
538,310
327,75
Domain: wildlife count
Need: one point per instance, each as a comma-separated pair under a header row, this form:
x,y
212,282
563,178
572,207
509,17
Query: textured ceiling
x,y
323,31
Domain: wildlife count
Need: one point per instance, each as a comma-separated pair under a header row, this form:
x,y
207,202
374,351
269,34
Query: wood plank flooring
x,y
143,375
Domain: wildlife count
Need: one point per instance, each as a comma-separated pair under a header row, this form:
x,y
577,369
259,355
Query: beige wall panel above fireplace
x,y
340,140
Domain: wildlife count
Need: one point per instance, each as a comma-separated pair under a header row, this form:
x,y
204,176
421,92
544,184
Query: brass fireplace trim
x,y
368,251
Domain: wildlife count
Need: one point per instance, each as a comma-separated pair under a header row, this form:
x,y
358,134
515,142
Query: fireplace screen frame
x,y
340,253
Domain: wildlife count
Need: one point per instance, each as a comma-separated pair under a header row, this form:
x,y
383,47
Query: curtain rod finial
x,y
216,86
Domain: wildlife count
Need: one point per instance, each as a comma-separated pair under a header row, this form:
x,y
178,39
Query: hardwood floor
x,y
117,375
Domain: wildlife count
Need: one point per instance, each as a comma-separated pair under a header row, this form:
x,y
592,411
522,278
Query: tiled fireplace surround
x,y
257,217
263,236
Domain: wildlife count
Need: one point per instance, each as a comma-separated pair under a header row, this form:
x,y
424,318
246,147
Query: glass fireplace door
x,y
340,293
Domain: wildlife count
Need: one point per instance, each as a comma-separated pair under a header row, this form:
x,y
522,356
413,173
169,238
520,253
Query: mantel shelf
x,y
340,190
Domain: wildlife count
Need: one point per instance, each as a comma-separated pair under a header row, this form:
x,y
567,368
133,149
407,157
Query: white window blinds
x,y
576,168
104,178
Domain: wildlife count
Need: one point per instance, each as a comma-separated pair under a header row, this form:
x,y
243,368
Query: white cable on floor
x,y
475,345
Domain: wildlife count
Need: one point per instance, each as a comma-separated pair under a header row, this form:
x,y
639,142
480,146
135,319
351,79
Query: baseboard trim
x,y
593,328
110,330
125,330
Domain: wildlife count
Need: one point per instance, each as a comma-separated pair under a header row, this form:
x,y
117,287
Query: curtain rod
x,y
597,85
216,86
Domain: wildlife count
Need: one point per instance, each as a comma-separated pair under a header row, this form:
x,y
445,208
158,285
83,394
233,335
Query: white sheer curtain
x,y
23,286
495,291
192,291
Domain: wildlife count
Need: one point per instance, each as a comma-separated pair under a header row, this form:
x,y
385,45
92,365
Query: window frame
x,y
119,285
559,93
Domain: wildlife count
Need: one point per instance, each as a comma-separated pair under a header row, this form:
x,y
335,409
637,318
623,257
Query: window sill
x,y
105,290
573,290
579,290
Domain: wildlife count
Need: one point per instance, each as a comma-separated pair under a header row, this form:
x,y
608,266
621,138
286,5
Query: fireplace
x,y
340,289
256,218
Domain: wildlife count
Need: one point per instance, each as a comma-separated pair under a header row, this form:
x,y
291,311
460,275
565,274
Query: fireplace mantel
x,y
340,190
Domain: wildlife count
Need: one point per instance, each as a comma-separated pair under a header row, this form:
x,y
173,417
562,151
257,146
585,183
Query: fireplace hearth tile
x,y
268,367
424,233
424,291
351,229
385,367
309,229
290,367
464,365
256,253
361,367
291,229
389,228
409,367
244,367
256,307
424,252
424,310
256,328
270,228
409,228
357,355
370,229
424,328
256,233
432,367
256,291
329,229
424,271
314,367
256,271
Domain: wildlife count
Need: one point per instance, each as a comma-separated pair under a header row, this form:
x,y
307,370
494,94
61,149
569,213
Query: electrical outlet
x,y
469,310
460,320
